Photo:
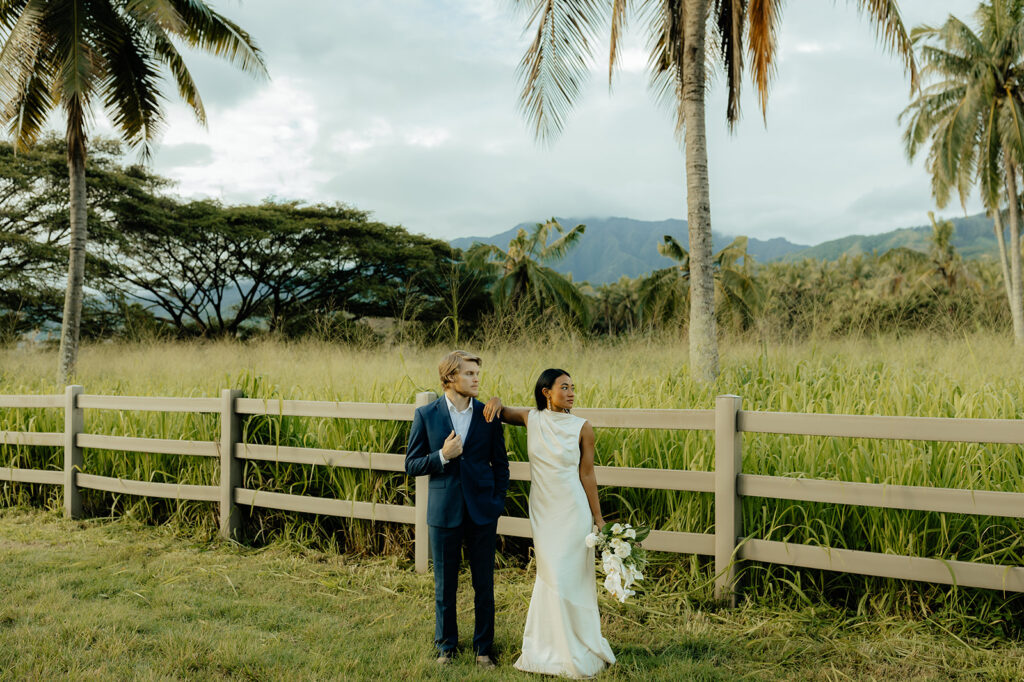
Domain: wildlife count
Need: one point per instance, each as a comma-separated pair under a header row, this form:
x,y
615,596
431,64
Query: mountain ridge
x,y
614,247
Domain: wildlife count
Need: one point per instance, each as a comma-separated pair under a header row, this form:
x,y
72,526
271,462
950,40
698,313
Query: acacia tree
x,y
210,270
34,228
556,65
971,115
77,54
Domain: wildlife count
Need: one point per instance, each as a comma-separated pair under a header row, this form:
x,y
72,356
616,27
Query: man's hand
x,y
492,409
452,447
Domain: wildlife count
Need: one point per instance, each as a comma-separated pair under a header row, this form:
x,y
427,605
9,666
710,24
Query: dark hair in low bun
x,y
546,380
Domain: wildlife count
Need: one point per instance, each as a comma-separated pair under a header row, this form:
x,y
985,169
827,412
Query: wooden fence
x,y
728,483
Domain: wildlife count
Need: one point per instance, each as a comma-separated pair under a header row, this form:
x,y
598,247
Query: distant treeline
x,y
164,267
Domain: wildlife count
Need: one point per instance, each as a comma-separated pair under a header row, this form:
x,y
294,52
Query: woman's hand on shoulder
x,y
492,409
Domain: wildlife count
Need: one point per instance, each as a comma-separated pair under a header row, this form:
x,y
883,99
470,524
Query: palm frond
x,y
619,12
21,45
556,250
131,78
156,13
218,35
667,42
26,76
729,16
672,249
554,287
556,65
26,112
1011,128
765,16
480,254
76,77
165,50
885,14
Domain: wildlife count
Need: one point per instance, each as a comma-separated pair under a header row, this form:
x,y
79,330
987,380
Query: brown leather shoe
x,y
444,659
486,662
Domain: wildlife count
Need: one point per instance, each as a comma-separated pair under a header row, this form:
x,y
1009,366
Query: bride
x,y
563,626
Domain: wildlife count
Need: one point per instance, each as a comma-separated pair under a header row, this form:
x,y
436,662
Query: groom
x,y
465,457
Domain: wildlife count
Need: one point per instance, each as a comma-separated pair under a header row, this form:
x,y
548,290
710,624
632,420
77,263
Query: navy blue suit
x,y
467,495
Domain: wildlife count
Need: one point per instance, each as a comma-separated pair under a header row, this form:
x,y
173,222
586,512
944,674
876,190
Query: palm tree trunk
x,y
997,219
703,334
73,295
1016,304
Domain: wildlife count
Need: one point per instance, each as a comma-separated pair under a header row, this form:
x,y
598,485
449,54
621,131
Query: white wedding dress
x,y
563,626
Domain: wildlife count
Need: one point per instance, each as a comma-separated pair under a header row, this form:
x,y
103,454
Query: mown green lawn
x,y
112,599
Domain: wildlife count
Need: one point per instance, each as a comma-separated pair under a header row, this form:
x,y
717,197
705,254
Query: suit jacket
x,y
475,481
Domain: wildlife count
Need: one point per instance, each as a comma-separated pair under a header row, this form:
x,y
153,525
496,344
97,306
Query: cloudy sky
x,y
407,108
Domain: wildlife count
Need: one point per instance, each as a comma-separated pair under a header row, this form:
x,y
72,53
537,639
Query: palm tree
x,y
972,116
556,65
946,262
114,53
666,292
524,282
616,305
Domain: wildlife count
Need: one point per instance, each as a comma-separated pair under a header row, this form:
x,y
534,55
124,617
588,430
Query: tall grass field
x,y
972,376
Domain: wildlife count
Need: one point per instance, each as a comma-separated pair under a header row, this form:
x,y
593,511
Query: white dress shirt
x,y
460,422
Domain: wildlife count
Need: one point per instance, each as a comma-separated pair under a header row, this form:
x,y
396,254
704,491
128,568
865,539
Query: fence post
x,y
422,533
74,424
230,466
728,510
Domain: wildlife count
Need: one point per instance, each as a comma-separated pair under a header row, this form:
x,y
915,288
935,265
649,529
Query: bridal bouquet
x,y
622,557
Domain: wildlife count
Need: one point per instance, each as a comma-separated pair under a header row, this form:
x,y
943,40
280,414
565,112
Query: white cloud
x,y
262,146
412,114
357,141
426,137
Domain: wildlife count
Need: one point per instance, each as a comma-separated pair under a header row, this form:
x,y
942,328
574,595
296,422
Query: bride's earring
x,y
549,402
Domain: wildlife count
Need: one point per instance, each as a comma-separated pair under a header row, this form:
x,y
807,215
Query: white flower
x,y
621,548
612,563
617,528
592,540
613,583
630,533
631,575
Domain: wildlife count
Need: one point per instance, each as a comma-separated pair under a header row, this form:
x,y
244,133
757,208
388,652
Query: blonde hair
x,y
449,365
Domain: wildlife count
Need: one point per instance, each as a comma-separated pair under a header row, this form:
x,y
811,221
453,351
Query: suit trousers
x,y
446,546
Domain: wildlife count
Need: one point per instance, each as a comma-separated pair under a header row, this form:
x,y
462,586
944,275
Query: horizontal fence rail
x,y
31,476
148,404
31,438
30,401
918,498
327,506
156,446
728,483
942,571
317,408
374,461
896,428
173,491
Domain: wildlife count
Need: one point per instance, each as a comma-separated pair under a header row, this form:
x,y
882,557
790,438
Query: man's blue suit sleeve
x,y
499,460
419,460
